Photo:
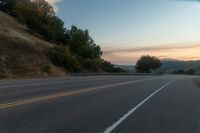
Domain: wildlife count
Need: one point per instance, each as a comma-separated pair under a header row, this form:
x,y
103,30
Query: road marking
x,y
45,83
117,123
64,94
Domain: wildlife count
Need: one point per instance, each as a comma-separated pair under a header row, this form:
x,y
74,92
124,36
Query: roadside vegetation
x,y
147,64
41,45
182,71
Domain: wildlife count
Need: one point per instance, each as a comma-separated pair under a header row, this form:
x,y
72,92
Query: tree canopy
x,y
82,44
40,17
147,63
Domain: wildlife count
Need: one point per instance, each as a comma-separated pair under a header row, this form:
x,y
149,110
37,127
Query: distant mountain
x,y
169,65
130,68
169,59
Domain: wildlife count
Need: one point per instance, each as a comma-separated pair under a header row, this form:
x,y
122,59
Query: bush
x,y
119,70
2,69
62,57
46,68
180,71
191,72
91,65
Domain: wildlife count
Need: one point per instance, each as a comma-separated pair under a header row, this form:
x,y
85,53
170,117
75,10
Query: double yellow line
x,y
64,94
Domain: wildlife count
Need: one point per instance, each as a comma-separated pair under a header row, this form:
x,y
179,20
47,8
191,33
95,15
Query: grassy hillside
x,y
23,53
170,65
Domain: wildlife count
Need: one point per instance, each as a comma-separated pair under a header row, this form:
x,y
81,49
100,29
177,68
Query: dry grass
x,y
12,28
22,54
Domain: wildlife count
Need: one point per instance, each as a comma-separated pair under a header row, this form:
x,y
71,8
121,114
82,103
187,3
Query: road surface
x,y
100,104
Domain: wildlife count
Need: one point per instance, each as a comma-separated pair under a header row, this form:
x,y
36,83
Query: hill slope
x,y
170,65
23,53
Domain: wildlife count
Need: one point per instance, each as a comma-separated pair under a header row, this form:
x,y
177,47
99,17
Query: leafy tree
x,y
119,70
40,17
44,8
191,72
147,63
180,71
106,66
82,44
91,65
61,56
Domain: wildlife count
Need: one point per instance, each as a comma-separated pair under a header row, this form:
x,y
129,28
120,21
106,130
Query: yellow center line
x,y
64,94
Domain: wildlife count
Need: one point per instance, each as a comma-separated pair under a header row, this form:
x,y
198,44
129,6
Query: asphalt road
x,y
100,104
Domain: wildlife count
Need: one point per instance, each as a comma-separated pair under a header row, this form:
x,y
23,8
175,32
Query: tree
x,y
180,71
147,63
44,8
106,66
39,16
91,65
191,72
61,56
82,44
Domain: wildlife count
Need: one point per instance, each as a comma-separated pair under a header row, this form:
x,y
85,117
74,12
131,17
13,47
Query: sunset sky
x,y
127,29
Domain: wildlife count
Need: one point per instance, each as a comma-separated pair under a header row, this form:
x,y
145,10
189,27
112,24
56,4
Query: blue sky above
x,y
120,26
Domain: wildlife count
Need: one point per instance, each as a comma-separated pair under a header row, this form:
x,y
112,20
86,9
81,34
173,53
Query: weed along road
x,y
100,104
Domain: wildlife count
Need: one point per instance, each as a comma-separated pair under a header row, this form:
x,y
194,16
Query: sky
x,y
128,29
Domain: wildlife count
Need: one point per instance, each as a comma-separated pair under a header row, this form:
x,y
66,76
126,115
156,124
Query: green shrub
x,y
91,65
106,66
46,68
61,56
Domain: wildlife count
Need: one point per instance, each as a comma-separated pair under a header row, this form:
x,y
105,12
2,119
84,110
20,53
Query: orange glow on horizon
x,y
131,57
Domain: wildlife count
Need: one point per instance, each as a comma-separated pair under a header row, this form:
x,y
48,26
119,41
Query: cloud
x,y
152,48
54,3
131,55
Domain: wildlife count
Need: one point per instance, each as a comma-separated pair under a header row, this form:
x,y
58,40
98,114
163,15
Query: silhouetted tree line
x,y
181,71
76,50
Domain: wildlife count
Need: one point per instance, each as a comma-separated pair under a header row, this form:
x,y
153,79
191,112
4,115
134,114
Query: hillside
x,y
129,68
170,65
23,53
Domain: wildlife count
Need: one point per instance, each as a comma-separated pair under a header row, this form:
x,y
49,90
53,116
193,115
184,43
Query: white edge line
x,y
117,123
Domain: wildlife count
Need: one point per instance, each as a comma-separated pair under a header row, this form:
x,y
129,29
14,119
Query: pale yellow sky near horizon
x,y
181,52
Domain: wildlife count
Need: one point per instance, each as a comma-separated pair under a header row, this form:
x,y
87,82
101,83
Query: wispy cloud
x,y
152,48
54,3
131,55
